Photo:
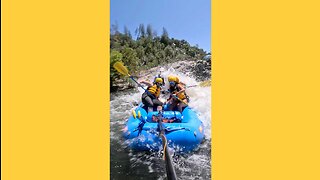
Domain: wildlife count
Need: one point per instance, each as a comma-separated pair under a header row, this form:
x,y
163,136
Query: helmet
x,y
158,80
173,79
177,79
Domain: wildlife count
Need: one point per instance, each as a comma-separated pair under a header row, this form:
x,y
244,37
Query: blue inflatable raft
x,y
184,134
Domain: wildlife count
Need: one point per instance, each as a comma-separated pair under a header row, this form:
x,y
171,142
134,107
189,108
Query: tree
x,y
115,28
130,58
127,32
115,56
169,52
141,31
164,36
154,34
149,31
148,50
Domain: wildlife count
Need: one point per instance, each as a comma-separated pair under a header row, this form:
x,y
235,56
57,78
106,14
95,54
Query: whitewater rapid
x,y
149,165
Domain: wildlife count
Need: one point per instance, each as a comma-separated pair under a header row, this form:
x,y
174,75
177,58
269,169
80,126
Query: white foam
x,y
196,164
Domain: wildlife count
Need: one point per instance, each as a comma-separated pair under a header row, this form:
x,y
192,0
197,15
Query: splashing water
x,y
126,163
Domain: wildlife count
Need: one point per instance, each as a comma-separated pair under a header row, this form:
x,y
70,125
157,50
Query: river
x,y
127,164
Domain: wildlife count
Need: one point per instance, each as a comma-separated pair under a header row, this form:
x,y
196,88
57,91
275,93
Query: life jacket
x,y
175,89
154,90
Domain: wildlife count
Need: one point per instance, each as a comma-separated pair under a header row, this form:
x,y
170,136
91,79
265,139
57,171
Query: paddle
x,y
175,96
202,84
123,70
171,173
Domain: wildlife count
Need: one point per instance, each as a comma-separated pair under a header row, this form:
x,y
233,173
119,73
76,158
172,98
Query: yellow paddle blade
x,y
121,68
205,83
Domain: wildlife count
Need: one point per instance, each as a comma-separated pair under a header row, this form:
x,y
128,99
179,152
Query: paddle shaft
x,y
202,84
142,87
191,86
123,70
175,96
171,173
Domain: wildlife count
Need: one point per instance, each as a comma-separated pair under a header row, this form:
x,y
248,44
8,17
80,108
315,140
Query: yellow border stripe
x,y
55,101
55,113
266,89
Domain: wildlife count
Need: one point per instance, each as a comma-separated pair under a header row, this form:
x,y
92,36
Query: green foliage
x,y
130,58
165,37
147,50
114,57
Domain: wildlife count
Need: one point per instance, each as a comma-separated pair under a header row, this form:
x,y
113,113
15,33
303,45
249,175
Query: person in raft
x,y
156,118
164,120
160,76
178,97
150,97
